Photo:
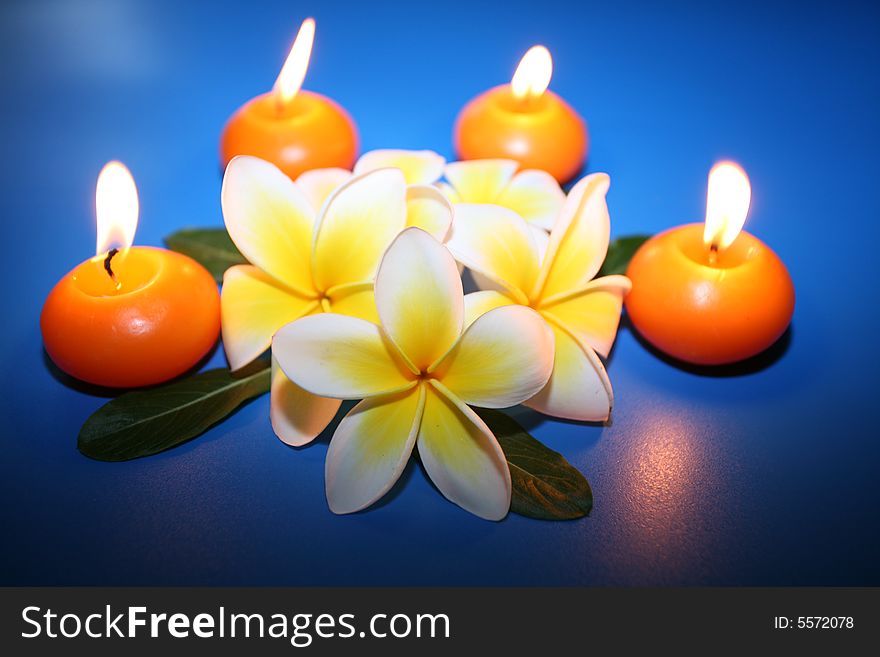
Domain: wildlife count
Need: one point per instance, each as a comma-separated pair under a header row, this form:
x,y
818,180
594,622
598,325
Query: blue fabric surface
x,y
763,474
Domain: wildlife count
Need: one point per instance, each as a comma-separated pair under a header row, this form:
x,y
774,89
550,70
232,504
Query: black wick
x,y
108,268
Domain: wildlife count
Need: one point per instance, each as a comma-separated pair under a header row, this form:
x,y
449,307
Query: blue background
x,y
761,474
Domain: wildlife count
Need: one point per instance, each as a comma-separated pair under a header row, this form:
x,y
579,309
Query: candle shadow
x,y
751,365
73,383
95,390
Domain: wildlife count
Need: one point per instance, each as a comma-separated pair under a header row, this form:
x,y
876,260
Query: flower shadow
x,y
530,420
327,434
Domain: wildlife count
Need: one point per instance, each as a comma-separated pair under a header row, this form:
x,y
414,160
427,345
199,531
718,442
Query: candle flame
x,y
532,76
116,207
727,204
295,66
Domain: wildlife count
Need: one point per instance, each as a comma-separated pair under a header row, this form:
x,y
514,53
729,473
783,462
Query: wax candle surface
x,y
309,132
709,309
293,129
160,321
524,121
544,133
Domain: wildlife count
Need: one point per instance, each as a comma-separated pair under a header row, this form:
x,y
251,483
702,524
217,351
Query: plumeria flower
x,y
305,260
416,373
419,168
532,194
583,313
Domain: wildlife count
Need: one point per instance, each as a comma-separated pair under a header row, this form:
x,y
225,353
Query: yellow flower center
x,y
324,299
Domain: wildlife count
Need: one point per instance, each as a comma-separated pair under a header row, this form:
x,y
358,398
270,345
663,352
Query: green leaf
x,y
145,422
620,252
210,247
545,485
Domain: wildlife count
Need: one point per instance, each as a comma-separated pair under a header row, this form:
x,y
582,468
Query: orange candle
x,y
710,293
524,121
130,316
296,130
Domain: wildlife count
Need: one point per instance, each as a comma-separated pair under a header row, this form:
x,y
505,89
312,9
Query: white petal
x,y
485,283
578,388
497,243
359,221
338,356
578,241
504,358
480,181
463,458
542,240
252,307
355,302
419,167
535,196
429,209
419,297
370,449
449,191
270,220
298,416
479,303
592,314
318,184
